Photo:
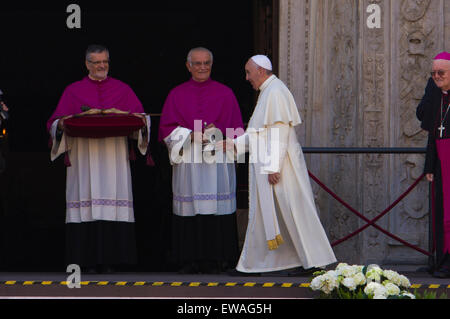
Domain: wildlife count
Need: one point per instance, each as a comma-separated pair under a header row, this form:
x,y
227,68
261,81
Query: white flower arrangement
x,y
361,282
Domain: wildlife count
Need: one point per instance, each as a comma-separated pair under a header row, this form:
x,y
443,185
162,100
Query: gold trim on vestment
x,y
275,243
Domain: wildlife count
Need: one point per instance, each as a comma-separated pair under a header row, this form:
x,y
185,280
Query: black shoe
x,y
442,273
236,273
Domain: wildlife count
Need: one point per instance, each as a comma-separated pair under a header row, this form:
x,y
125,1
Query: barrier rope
x,y
372,222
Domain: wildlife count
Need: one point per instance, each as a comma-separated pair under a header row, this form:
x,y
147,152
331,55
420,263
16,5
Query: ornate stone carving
x,y
374,131
413,10
417,44
341,102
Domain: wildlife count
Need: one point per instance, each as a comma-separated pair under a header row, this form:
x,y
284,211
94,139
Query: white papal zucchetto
x,y
263,61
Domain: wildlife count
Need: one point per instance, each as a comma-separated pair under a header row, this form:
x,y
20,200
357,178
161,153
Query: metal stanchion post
x,y
431,259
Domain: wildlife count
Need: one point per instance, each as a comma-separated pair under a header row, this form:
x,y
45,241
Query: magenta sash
x,y
443,150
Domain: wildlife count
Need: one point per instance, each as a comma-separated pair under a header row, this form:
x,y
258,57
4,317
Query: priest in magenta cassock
x,y
284,230
99,202
204,193
437,163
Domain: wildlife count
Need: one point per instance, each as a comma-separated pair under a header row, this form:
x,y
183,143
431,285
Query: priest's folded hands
x,y
202,138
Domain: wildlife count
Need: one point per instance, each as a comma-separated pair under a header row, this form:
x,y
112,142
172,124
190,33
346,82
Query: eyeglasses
x,y
99,62
441,73
199,64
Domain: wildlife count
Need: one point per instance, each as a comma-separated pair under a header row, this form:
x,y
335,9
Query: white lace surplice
x,y
98,182
199,187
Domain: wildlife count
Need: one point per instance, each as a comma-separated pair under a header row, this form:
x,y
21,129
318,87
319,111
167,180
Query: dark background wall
x,y
148,43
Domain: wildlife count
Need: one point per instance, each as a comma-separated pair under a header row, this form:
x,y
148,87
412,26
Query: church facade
x,y
358,69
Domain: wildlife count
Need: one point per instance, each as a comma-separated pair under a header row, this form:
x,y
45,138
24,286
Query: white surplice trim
x,y
61,146
98,184
199,187
143,141
108,197
176,142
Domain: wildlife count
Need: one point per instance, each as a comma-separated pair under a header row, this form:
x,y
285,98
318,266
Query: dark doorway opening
x,y
148,44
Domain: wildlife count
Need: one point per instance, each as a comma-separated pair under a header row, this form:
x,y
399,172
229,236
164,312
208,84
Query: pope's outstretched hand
x,y
226,145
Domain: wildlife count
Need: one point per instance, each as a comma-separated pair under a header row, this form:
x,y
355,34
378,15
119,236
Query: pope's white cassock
x,y
284,230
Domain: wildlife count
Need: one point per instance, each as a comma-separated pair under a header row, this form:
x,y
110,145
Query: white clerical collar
x,y
267,82
95,80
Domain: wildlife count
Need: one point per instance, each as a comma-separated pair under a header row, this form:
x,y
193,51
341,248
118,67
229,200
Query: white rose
x,y
349,283
381,296
380,292
376,291
346,271
407,294
375,267
316,283
325,283
358,268
388,273
341,265
332,273
392,276
329,282
391,289
404,282
371,287
359,279
373,275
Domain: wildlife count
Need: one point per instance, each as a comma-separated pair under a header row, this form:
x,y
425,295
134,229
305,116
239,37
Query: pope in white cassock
x,y
284,230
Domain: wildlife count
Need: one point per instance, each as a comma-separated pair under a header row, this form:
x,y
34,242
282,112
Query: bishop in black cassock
x,y
434,111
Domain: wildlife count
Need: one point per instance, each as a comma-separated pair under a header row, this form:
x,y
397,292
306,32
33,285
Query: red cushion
x,y
99,126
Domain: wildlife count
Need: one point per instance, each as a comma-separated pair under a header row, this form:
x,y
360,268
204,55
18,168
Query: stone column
x,y
417,36
318,61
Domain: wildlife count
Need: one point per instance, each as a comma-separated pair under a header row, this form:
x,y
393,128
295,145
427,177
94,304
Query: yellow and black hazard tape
x,y
159,284
188,284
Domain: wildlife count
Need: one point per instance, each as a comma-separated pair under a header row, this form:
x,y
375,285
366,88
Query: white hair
x,y
189,56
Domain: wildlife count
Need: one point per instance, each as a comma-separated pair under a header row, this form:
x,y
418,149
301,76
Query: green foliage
x,y
429,295
364,270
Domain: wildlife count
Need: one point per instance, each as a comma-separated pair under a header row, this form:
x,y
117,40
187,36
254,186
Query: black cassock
x,y
432,113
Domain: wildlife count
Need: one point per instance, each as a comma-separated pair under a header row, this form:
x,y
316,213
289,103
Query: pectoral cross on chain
x,y
441,129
